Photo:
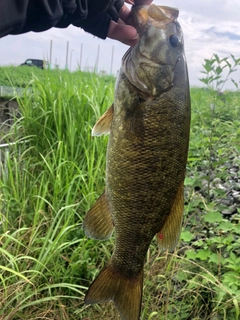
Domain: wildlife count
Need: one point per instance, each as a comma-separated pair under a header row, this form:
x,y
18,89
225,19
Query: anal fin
x,y
168,236
98,222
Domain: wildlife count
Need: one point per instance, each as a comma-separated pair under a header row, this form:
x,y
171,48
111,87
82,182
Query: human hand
x,y
122,30
112,19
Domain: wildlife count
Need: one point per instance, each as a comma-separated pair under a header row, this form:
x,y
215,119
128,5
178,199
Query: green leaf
x,y
230,278
215,258
191,254
182,275
236,61
225,226
214,78
208,65
189,181
203,254
218,70
187,236
233,256
213,217
228,64
217,58
204,80
235,83
237,228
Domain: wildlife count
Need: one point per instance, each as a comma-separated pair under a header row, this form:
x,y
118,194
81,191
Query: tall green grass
x,y
56,170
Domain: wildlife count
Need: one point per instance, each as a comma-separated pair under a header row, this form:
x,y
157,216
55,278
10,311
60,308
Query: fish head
x,y
150,65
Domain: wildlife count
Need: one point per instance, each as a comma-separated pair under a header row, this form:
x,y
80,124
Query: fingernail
x,y
136,37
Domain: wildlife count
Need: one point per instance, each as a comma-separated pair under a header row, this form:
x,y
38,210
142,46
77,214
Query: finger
x,y
123,33
129,1
139,2
125,13
120,21
142,2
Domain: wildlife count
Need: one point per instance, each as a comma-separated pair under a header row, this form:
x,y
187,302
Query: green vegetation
x,y
55,172
21,76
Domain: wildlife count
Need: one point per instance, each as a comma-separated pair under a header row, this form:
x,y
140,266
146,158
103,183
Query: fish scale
x,y
149,124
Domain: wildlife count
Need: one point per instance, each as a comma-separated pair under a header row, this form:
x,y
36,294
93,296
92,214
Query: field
x,y
56,171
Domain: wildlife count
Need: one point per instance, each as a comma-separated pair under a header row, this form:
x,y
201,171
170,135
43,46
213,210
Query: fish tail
x,y
126,292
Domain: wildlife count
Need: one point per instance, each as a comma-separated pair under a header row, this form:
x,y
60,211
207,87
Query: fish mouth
x,y
149,66
158,16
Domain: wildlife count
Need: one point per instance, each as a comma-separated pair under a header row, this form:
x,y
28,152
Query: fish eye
x,y
174,40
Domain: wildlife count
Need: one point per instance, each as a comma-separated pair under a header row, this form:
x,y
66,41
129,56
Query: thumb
x,y
123,33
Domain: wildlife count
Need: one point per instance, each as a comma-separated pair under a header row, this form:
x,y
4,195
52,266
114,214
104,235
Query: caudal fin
x,y
126,293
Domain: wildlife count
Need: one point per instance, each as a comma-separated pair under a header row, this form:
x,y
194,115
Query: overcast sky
x,y
209,26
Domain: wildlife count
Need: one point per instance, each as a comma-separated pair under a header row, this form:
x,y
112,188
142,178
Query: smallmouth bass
x,y
149,124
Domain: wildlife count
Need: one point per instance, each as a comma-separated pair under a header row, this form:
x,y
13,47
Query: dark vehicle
x,y
42,64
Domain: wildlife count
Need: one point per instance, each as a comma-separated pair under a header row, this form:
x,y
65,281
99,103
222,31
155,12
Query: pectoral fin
x,y
98,222
168,237
103,124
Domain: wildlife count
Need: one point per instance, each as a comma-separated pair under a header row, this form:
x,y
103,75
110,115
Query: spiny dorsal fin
x,y
98,222
168,237
103,124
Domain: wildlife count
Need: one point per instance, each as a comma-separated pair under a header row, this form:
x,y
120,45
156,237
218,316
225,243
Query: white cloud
x,y
209,27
